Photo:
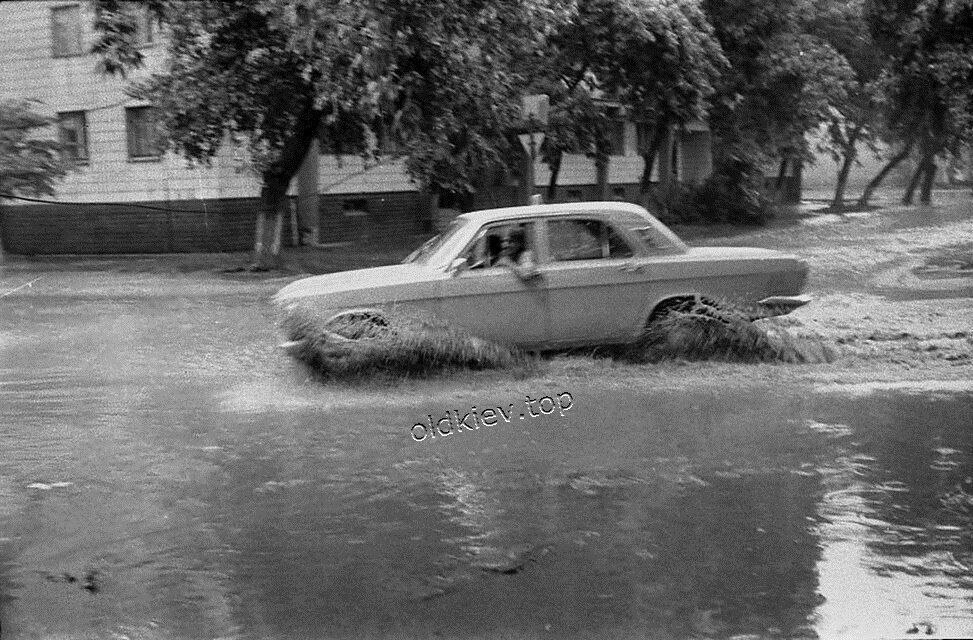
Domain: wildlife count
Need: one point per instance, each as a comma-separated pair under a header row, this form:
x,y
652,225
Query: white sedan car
x,y
558,275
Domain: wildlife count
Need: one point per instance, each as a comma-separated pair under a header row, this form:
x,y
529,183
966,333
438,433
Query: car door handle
x,y
631,268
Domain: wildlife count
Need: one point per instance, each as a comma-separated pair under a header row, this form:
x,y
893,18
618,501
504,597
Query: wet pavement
x,y
165,473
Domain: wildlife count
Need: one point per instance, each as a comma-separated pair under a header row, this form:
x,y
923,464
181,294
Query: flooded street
x,y
165,473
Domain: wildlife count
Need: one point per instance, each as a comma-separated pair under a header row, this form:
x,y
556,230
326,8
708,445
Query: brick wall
x,y
184,226
386,216
199,225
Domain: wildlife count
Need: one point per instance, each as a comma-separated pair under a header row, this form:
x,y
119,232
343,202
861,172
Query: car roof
x,y
544,210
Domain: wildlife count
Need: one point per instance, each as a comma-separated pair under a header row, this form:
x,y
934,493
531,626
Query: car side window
x,y
585,239
618,247
503,244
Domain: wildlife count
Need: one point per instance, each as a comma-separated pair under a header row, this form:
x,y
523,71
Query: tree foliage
x,y
30,162
434,80
855,117
657,60
782,84
929,83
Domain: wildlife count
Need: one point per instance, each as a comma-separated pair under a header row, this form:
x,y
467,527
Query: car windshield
x,y
432,245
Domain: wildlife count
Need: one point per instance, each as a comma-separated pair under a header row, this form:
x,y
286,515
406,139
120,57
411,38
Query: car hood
x,y
365,281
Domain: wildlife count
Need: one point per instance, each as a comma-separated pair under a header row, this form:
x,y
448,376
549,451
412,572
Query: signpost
x,y
536,108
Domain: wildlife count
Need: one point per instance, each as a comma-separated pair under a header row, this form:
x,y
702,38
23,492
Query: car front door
x,y
594,284
488,297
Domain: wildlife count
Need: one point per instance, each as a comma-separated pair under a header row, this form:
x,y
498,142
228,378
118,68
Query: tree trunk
x,y
273,198
279,228
925,169
779,182
555,171
649,156
434,210
910,190
601,171
258,241
850,153
276,179
925,194
667,177
877,180
646,193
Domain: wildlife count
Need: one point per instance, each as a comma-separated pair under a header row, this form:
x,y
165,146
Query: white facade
x,y
29,68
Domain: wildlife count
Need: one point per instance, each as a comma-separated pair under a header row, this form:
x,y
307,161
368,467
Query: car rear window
x,y
654,235
585,239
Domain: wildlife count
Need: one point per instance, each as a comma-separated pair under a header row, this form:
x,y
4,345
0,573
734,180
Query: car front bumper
x,y
781,305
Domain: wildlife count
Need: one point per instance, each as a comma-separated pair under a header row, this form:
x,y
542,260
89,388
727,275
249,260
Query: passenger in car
x,y
515,254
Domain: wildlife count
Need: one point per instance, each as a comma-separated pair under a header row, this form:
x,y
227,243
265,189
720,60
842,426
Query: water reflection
x,y
899,516
207,493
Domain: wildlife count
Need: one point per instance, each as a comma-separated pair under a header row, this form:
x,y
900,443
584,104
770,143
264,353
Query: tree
x,y
431,79
30,163
576,124
658,60
781,85
929,83
666,73
855,118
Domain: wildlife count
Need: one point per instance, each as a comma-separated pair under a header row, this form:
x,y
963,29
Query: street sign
x,y
536,108
525,141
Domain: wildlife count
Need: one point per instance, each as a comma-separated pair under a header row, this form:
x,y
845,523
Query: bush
x,y
721,199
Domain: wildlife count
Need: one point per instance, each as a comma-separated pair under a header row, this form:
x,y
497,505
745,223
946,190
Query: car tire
x,y
697,306
359,324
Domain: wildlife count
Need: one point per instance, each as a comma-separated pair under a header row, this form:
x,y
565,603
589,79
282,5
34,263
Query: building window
x,y
66,31
355,207
72,130
143,137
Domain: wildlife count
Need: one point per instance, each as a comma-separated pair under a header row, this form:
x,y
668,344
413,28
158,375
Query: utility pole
x,y
536,109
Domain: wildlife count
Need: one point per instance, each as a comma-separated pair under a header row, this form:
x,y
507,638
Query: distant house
x,y
128,197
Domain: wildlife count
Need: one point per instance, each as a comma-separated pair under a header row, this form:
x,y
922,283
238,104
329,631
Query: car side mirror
x,y
458,266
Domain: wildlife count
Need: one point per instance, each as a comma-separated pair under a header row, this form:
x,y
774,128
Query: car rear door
x,y
594,283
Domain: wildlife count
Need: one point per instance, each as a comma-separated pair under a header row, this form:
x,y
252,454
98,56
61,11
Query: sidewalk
x,y
294,261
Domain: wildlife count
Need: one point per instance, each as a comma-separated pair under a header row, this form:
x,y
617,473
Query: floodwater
x,y
164,473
